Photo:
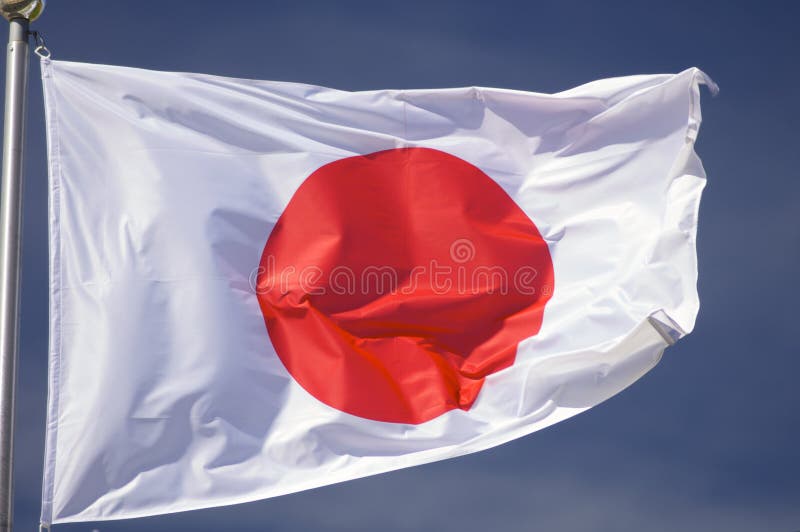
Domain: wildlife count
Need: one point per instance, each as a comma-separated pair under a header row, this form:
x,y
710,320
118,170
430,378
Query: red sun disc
x,y
394,283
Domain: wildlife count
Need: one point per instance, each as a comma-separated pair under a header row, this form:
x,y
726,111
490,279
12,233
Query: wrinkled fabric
x,y
165,392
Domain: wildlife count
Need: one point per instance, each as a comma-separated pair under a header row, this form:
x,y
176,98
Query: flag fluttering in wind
x,y
259,287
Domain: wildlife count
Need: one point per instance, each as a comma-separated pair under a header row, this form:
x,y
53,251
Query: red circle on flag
x,y
394,283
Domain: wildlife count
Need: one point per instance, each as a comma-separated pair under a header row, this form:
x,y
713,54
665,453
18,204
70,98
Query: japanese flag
x,y
259,287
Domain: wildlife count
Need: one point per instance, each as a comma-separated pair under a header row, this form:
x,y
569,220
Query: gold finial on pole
x,y
27,9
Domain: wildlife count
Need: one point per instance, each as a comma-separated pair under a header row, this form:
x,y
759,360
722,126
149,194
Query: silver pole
x,y
10,238
19,14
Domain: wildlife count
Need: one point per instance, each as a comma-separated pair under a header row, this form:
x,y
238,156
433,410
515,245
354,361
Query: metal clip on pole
x,y
41,48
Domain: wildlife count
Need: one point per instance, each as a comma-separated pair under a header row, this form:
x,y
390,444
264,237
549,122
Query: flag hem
x,y
54,253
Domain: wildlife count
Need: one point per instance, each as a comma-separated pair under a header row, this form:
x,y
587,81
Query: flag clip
x,y
41,47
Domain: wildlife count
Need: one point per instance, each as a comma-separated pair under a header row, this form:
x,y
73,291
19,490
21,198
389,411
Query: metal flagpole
x,y
19,13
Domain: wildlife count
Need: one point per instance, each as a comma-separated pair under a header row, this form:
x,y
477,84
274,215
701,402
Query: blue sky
x,y
707,441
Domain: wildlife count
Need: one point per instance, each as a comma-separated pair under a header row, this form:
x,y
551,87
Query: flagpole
x,y
19,14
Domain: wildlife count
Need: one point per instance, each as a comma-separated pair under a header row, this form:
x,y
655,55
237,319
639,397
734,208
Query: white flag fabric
x,y
262,287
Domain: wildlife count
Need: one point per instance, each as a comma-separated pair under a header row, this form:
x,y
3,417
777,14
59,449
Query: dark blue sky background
x,y
709,440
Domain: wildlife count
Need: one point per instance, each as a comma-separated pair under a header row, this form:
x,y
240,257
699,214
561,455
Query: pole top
x,y
27,9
